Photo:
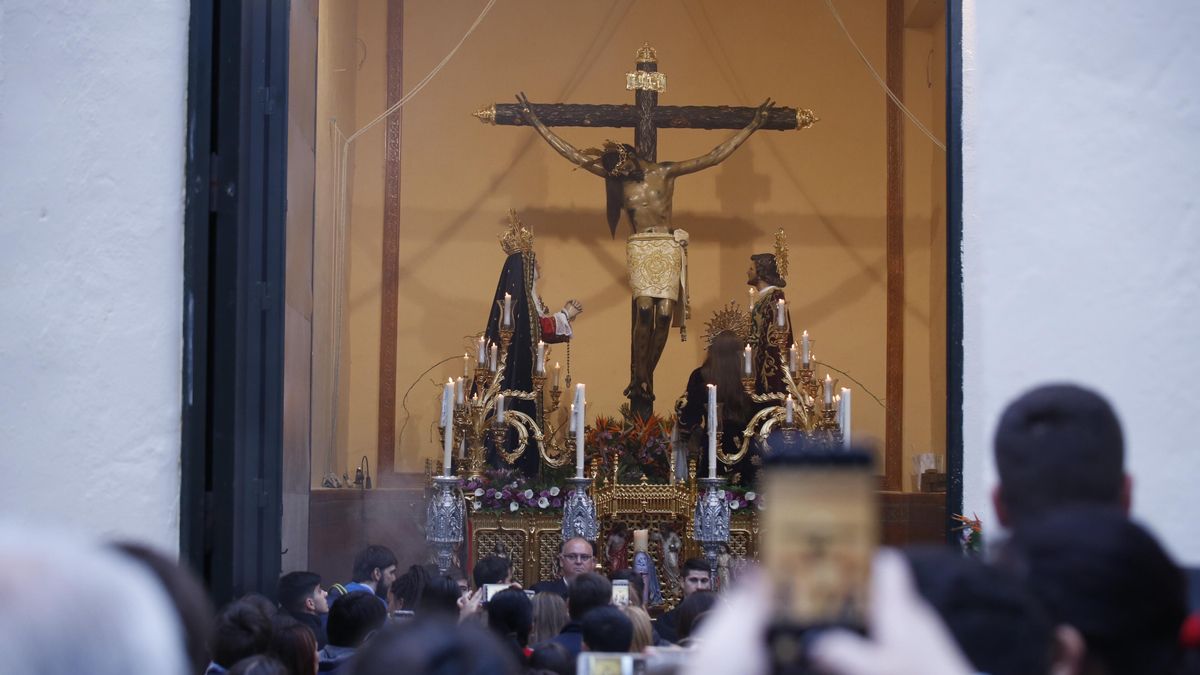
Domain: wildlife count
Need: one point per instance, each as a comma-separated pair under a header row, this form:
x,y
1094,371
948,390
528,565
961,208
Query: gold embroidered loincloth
x,y
655,262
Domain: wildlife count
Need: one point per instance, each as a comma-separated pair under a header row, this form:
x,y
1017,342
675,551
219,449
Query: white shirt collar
x,y
761,294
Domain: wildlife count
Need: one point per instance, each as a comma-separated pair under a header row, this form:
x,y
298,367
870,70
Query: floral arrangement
x,y
509,490
636,446
970,533
741,497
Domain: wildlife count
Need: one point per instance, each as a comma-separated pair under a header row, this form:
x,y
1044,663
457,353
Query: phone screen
x,y
598,663
820,529
491,589
620,592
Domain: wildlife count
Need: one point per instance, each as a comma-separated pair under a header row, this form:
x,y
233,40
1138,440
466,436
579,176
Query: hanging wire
x,y
342,145
875,74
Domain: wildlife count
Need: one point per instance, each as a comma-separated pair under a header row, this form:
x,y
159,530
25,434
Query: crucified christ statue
x,y
656,252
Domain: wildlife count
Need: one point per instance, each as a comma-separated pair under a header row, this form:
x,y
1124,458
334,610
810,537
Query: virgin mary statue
x,y
532,323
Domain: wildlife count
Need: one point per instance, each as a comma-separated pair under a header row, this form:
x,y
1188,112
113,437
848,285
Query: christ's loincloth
x,y
657,264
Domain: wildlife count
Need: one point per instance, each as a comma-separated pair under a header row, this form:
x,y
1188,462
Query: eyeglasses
x,y
577,557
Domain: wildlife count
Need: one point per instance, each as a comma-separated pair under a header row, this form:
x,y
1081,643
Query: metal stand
x,y
711,524
579,512
444,520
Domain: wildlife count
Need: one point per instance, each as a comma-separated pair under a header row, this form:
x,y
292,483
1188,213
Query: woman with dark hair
x,y
722,367
691,611
510,615
405,592
440,598
295,646
434,646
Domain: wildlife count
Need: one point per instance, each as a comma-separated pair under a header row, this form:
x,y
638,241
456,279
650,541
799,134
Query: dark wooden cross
x,y
645,115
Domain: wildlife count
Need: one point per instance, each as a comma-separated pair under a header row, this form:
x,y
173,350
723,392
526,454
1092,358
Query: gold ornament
x,y
646,54
486,114
731,319
781,253
805,118
517,237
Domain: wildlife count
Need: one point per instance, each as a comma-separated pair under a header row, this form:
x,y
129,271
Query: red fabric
x,y
548,328
1189,632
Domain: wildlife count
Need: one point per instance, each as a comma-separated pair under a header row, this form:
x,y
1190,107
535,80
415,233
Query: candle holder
x,y
711,523
555,396
579,512
506,336
444,520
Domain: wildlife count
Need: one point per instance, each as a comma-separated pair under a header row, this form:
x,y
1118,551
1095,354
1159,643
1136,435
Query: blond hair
x,y
549,617
643,634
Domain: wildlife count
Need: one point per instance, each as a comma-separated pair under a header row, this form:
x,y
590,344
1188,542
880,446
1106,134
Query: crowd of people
x,y
1078,587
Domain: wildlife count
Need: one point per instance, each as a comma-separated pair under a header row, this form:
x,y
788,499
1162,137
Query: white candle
x,y
460,392
792,358
466,365
500,408
540,366
508,310
479,358
557,375
747,361
844,412
791,409
752,299
580,413
492,360
447,422
712,431
806,357
828,391
780,312
445,402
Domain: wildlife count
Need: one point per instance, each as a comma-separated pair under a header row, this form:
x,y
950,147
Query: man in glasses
x,y
574,558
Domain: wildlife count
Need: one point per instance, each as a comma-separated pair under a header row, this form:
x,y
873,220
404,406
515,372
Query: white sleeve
x,y
561,325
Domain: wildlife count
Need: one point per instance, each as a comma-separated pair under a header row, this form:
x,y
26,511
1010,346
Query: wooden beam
x,y
390,266
893,476
664,116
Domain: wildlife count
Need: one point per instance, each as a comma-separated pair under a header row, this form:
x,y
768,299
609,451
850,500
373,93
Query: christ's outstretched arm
x,y
724,150
564,148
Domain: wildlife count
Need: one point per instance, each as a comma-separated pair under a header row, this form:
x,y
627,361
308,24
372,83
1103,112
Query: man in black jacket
x,y
301,596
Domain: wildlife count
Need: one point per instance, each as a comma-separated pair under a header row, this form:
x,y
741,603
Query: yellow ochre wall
x,y
824,186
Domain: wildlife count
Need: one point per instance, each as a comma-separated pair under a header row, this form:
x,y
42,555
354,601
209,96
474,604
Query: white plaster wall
x,y
1081,231
92,106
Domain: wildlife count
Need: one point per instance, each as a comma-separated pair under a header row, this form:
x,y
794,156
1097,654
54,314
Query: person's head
x,y
552,657
589,590
440,645
1058,445
607,629
73,606
696,576
460,580
1107,577
723,367
764,270
353,617
243,629
1000,626
493,569
187,594
549,616
637,585
692,610
576,557
440,597
643,630
375,566
406,590
259,664
510,616
294,645
301,593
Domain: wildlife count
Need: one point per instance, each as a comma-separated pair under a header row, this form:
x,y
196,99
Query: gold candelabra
x,y
480,418
810,414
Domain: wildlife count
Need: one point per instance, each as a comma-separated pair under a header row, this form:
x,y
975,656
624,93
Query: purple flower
x,y
556,503
490,492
